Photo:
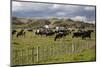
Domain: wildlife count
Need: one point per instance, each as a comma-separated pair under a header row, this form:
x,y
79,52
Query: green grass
x,y
84,49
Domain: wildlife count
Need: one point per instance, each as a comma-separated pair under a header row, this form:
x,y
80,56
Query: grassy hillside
x,y
34,23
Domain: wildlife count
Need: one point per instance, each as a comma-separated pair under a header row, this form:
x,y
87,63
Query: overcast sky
x,y
43,10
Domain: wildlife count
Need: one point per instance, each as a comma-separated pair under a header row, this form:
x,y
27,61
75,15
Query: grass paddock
x,y
35,49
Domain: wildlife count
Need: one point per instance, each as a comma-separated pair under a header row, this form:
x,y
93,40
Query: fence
x,y
44,54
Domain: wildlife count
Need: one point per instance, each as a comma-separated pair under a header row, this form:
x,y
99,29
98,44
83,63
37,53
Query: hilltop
x,y
34,23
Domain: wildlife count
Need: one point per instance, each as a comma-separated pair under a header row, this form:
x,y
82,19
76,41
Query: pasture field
x,y
46,50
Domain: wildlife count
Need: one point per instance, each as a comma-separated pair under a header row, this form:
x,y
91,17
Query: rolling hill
x,y
34,23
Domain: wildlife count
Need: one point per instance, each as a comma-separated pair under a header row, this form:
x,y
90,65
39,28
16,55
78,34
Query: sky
x,y
45,10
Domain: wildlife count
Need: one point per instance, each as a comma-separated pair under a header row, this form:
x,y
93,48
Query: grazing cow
x,y
44,32
77,34
37,31
24,33
30,30
40,32
57,31
86,34
83,34
13,32
49,33
21,33
60,35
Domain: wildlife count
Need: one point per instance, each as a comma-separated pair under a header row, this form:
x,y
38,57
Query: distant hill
x,y
27,22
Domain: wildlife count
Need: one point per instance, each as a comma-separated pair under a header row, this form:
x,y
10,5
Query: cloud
x,y
25,6
91,22
56,6
89,8
16,6
83,18
79,18
44,10
41,6
61,13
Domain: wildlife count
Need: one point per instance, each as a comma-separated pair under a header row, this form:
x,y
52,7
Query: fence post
x,y
73,47
33,54
28,56
37,54
15,60
22,56
18,56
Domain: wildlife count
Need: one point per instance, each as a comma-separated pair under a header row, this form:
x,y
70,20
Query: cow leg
x,y
90,36
82,37
17,35
55,39
73,36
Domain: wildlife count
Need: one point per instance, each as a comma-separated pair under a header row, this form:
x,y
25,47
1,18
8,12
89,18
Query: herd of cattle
x,y
58,33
